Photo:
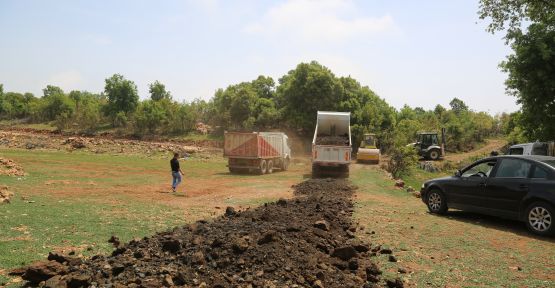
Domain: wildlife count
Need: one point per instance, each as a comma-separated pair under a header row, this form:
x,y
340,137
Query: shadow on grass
x,y
493,222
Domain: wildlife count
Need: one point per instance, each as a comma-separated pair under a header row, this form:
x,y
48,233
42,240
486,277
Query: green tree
x,y
510,15
264,87
150,116
123,98
308,88
52,90
458,106
158,91
531,79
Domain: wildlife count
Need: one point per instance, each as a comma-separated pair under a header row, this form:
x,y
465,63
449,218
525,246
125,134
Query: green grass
x,y
460,249
45,215
34,229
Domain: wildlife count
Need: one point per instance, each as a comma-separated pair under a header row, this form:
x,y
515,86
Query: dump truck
x,y
260,152
533,148
331,145
368,151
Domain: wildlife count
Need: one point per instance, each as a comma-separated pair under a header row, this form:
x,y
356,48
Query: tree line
x,y
260,104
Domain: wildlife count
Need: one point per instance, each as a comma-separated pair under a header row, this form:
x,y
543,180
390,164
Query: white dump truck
x,y
331,145
261,152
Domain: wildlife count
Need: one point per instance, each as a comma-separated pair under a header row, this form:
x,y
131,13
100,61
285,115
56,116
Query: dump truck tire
x,y
270,167
263,167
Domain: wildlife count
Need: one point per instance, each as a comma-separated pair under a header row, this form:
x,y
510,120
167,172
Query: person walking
x,y
176,171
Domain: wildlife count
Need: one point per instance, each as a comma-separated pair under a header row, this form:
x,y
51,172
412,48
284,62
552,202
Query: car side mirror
x,y
458,173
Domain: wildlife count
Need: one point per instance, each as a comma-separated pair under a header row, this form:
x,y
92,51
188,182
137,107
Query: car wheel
x,y
436,202
539,218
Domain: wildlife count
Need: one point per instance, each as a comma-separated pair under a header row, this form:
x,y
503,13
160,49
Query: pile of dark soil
x,y
332,140
308,241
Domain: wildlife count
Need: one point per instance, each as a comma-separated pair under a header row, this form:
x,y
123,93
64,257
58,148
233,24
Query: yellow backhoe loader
x,y
368,151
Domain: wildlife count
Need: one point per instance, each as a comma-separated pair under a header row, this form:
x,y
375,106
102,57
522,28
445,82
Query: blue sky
x,y
420,53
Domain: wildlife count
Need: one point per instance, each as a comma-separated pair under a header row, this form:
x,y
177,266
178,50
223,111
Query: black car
x,y
514,187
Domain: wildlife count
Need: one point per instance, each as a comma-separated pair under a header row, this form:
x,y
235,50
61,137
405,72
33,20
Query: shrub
x,y
402,161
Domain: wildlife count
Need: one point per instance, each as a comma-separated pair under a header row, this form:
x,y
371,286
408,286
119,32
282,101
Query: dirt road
x,y
491,145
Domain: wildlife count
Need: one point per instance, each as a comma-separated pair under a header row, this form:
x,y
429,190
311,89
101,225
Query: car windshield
x,y
550,163
481,170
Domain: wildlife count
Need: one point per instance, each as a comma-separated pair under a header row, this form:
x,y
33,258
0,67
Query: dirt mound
x,y
332,140
304,242
10,168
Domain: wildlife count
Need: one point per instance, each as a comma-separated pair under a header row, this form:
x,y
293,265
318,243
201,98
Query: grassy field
x,y
76,201
458,250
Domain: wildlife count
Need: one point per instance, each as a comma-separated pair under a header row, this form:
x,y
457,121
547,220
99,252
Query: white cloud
x,y
67,80
311,20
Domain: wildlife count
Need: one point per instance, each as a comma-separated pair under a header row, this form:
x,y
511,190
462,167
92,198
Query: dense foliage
x,y
530,30
256,105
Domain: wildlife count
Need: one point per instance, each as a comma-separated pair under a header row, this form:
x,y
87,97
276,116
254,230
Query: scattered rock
x,y
385,251
392,258
282,202
43,271
397,283
267,238
399,183
230,211
240,245
322,224
344,253
114,240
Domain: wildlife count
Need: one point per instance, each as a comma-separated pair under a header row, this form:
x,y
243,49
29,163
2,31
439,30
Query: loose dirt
x,y
308,241
332,140
491,145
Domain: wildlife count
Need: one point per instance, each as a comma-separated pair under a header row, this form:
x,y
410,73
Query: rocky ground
x,y
9,167
103,144
308,241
